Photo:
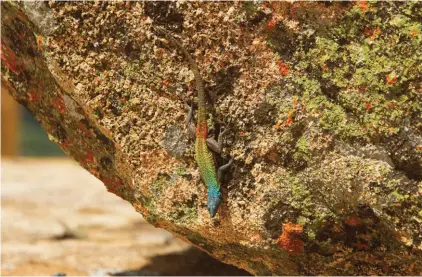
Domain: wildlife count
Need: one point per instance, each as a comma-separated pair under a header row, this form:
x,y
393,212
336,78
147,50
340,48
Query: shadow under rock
x,y
191,262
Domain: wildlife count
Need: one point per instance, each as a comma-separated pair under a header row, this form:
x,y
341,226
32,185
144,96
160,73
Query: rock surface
x,y
322,100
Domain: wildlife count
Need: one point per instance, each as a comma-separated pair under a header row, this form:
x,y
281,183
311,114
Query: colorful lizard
x,y
203,156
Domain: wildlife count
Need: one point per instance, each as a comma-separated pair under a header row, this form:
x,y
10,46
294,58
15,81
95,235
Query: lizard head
x,y
214,199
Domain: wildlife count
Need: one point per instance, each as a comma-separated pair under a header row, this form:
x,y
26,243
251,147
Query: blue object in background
x,y
34,140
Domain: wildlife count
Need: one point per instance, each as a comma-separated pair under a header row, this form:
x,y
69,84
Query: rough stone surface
x,y
323,103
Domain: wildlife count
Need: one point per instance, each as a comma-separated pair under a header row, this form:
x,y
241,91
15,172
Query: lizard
x,y
203,144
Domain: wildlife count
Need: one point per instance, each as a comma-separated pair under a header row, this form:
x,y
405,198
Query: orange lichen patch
x,y
363,5
33,95
160,52
367,32
376,32
289,239
391,78
390,105
419,148
140,208
271,24
289,120
58,103
95,173
10,59
66,143
40,42
89,157
353,221
85,131
361,246
277,126
165,83
372,33
324,67
112,184
283,68
414,33
368,106
22,15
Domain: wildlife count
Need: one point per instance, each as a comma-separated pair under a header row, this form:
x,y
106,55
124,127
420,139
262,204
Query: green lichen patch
x,y
159,185
360,80
184,213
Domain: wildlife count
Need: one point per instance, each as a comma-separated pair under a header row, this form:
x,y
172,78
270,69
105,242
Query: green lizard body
x,y
203,156
205,160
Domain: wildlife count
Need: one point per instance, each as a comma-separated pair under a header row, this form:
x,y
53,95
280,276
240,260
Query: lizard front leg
x,y
217,146
190,125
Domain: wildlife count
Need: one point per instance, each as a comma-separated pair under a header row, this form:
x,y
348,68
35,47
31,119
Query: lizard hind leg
x,y
222,169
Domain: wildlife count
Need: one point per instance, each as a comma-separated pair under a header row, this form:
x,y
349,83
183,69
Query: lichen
x,y
322,104
344,84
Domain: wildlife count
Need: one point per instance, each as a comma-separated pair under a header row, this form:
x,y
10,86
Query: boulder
x,y
322,102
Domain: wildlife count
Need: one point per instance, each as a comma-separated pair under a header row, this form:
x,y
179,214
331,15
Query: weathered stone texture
x,y
323,103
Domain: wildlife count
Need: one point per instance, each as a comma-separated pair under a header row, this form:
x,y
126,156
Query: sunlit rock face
x,y
322,101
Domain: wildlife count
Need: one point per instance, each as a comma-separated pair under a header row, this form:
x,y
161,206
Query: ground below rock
x,y
68,223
